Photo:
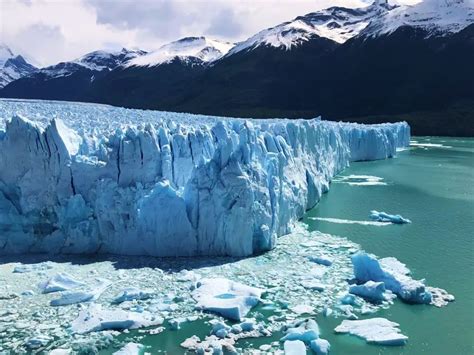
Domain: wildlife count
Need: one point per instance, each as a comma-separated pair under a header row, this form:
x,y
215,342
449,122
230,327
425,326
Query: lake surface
x,y
434,187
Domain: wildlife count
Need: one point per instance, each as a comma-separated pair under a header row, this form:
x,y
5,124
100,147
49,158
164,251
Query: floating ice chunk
x,y
132,293
89,295
130,349
230,299
313,285
375,330
385,217
321,259
440,297
60,282
372,291
211,345
60,351
294,347
302,309
320,346
368,268
188,275
38,341
306,331
20,269
350,299
95,318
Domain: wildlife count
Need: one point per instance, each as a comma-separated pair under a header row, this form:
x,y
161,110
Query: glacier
x,y
85,178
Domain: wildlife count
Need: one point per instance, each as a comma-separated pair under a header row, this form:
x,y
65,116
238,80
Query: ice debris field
x,y
99,179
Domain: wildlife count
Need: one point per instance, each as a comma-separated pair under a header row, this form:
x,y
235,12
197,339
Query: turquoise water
x,y
434,188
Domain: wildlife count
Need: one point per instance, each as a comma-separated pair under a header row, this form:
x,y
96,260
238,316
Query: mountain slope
x,y
378,61
68,80
12,67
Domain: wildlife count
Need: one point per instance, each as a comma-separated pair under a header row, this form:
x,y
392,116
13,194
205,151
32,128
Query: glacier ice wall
x,y
174,186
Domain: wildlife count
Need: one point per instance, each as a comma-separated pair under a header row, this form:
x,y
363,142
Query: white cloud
x,y
57,30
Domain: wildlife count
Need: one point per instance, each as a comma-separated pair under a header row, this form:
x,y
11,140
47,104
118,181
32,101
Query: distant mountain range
x,y
378,63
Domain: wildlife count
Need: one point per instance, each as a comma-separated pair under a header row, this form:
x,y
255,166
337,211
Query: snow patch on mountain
x,y
189,49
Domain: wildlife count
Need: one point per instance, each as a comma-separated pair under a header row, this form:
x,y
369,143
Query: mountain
x,y
191,50
12,67
378,63
69,80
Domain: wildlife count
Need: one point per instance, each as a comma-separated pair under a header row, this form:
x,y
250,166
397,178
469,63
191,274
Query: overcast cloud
x,y
50,31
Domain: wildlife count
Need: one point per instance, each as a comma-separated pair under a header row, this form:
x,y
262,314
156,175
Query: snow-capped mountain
x,y
435,17
96,61
340,24
189,49
12,66
372,63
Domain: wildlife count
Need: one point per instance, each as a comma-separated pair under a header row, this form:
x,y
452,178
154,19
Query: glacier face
x,y
84,178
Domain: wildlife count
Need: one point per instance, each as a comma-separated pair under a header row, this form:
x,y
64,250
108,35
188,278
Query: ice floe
x,y
294,347
385,217
130,349
320,346
60,282
231,299
96,318
375,330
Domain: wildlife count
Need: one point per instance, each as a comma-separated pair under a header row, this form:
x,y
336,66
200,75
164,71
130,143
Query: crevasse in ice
x,y
80,178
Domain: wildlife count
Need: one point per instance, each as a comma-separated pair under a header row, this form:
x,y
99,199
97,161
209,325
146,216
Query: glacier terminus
x,y
84,178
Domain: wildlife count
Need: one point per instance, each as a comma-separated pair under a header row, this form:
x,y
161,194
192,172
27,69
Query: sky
x,y
49,31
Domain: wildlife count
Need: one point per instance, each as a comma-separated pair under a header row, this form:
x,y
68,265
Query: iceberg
x,y
60,282
230,299
130,349
133,293
320,346
306,331
393,274
85,178
385,217
372,291
294,347
375,330
95,318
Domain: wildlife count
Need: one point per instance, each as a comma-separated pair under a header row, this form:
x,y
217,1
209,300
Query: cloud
x,y
225,24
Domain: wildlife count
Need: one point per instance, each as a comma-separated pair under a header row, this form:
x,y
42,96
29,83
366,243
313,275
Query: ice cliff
x,y
103,180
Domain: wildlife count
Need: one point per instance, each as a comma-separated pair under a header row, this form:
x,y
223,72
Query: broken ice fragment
x,y
375,330
372,291
294,347
130,349
230,299
132,293
385,217
95,318
60,282
320,346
